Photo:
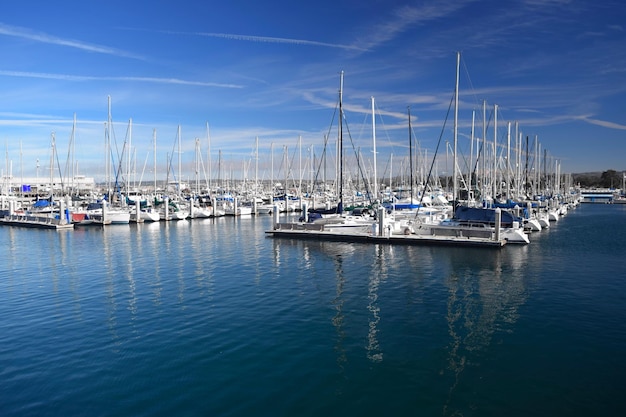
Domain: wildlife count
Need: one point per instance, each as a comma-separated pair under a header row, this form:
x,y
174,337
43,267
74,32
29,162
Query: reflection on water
x,y
377,275
339,317
375,314
485,291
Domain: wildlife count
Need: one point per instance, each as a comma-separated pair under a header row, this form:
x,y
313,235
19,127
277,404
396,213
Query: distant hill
x,y
606,179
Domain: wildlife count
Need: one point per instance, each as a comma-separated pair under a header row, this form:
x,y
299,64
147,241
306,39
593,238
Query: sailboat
x,y
334,218
109,210
467,218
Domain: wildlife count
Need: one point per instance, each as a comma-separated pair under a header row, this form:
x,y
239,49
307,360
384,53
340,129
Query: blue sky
x,y
271,70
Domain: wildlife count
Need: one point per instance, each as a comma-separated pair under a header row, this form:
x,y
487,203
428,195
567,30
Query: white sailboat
x,y
113,211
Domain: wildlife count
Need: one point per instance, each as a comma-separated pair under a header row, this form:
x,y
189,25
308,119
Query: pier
x,y
602,196
351,237
381,231
40,222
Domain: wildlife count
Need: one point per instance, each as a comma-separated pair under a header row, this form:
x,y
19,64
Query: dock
x,y
317,232
39,222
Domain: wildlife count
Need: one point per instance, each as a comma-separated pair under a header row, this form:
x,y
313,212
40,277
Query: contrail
x,y
19,32
269,39
69,77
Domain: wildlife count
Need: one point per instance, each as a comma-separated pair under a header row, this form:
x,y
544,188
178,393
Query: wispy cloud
x,y
253,38
603,123
407,17
20,32
69,77
278,40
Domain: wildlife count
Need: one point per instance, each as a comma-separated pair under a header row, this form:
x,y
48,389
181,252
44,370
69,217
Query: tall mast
x,y
495,151
390,174
256,167
518,161
483,156
456,126
374,146
311,170
340,146
208,137
128,158
154,148
508,161
179,168
410,158
72,150
471,165
526,168
300,165
286,172
107,151
536,166
52,155
197,166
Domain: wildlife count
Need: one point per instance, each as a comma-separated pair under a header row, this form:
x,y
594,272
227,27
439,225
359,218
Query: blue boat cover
x,y
41,203
482,215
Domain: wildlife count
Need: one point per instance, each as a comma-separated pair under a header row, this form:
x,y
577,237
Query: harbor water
x,y
211,317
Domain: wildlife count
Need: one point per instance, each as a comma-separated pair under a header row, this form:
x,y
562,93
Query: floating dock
x,y
39,222
317,232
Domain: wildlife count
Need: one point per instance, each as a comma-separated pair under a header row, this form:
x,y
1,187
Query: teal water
x,y
211,317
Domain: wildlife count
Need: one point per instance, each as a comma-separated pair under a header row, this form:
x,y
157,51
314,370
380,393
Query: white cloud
x,y
41,37
278,40
69,77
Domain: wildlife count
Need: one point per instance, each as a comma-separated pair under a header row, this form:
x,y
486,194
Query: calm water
x,y
211,317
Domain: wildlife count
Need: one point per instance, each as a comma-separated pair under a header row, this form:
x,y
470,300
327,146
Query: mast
x,y
495,152
286,172
518,161
128,158
526,168
410,158
374,146
220,182
154,138
71,154
390,174
483,156
536,166
21,173
107,150
456,126
340,146
471,165
311,170
179,167
52,155
508,161
208,137
256,168
300,165
197,166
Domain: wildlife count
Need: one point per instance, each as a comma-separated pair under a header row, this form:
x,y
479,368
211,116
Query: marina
x,y
489,202
312,209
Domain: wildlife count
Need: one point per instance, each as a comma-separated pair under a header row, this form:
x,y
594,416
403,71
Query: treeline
x,y
606,179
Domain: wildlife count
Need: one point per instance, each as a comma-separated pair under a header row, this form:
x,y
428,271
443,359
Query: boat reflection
x,y
484,295
378,274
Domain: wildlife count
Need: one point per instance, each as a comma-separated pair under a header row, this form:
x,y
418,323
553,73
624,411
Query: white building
x,y
41,186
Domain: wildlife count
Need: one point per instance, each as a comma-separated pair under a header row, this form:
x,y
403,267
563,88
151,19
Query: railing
x,y
40,220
